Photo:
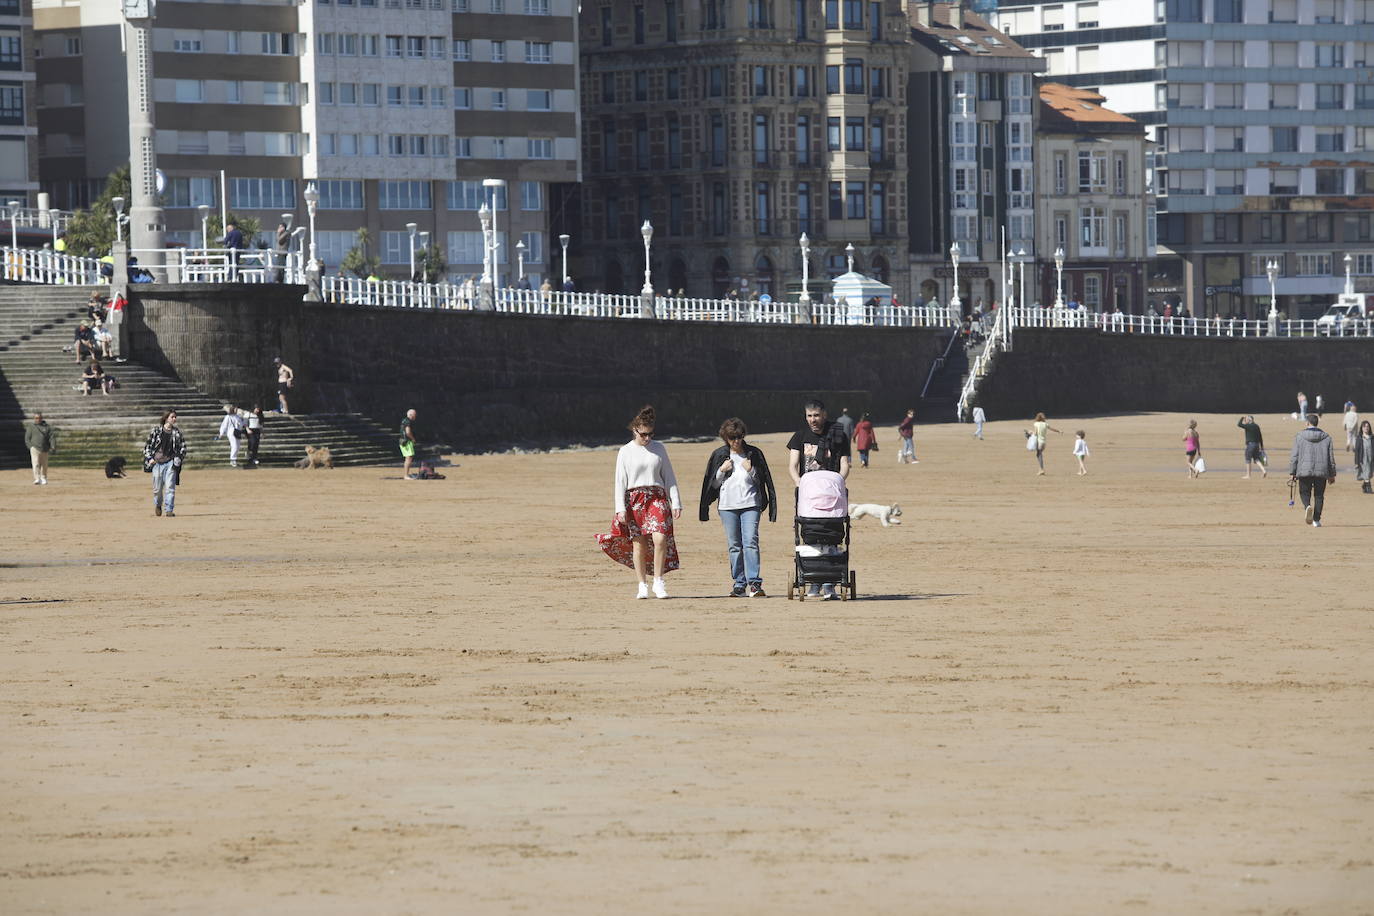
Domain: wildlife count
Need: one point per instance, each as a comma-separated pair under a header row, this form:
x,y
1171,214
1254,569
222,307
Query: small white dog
x,y
888,515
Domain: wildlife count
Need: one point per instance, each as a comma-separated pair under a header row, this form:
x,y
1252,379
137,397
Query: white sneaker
x,y
643,590
659,590
1316,524
43,481
1308,512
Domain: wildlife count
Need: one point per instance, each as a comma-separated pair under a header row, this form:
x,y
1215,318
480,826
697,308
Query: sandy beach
x,y
343,692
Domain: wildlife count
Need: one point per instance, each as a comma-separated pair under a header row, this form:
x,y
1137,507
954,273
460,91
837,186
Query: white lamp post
x,y
805,243
312,269
564,240
849,255
204,225
1021,277
955,305
116,202
298,237
1349,286
1272,270
411,229
424,253
14,221
484,214
647,231
493,184
1059,278
53,214
520,253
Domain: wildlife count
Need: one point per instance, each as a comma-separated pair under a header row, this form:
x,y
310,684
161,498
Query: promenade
x,y
342,692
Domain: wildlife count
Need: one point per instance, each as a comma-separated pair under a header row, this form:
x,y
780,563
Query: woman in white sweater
x,y
646,503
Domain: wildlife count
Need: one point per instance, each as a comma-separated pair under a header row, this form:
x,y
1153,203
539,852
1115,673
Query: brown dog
x,y
316,458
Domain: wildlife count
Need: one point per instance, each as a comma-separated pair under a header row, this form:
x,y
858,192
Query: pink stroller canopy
x,y
822,495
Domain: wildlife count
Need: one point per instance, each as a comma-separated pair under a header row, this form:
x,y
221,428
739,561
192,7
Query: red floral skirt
x,y
646,512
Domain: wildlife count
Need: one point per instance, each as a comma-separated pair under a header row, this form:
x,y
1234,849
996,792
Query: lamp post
x,y
54,212
520,253
1349,286
411,229
312,269
204,225
647,231
298,236
564,240
1059,278
1021,277
849,256
117,203
1271,268
805,298
425,264
494,183
484,214
14,221
955,305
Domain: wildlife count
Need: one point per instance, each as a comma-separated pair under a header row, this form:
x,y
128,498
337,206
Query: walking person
x,y
233,241
907,432
1312,463
163,454
864,439
646,504
1302,407
236,428
846,423
255,419
1254,447
1192,447
738,480
286,380
408,441
1350,422
979,418
1364,456
1040,429
1080,451
821,445
38,440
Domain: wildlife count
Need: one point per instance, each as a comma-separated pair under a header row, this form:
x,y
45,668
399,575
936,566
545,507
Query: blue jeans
x,y
908,450
164,485
742,535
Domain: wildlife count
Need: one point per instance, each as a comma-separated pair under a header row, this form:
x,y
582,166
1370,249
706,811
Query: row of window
x,y
1091,240
1281,139
343,194
528,7
421,47
425,145
1280,181
1091,173
1281,227
859,15
1263,53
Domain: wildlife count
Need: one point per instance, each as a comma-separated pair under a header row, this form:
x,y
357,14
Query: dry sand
x,y
342,692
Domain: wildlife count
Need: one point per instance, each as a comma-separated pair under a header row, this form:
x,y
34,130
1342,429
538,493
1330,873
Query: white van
x,y
1344,318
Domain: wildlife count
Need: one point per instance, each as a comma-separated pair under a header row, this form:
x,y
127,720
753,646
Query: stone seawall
x,y
1066,372
485,379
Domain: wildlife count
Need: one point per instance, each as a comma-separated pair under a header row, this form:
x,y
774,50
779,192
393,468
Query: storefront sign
x,y
948,272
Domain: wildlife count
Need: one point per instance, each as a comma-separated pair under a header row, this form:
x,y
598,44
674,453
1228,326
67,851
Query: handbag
x,y
1032,442
1200,466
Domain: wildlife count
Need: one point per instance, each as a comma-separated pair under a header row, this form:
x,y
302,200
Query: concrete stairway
x,y
942,398
36,322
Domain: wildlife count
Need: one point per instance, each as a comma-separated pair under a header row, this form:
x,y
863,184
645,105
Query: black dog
x,y
115,467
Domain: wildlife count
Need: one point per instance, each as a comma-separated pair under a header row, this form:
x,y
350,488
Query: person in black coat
x,y
737,477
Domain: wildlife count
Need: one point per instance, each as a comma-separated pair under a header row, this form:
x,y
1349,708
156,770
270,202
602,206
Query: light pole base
x,y
647,303
486,296
803,309
312,282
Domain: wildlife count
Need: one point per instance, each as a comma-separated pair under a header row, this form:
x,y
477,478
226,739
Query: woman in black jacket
x,y
737,476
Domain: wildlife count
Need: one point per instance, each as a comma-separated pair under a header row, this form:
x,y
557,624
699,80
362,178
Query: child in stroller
x,y
821,539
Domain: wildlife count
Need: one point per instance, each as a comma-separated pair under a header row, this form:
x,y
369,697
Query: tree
x,y
92,232
250,227
357,261
431,264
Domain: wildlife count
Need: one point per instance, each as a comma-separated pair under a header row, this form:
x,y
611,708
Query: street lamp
x,y
647,231
54,213
520,253
1349,286
411,229
564,240
805,243
117,203
1059,278
14,221
484,214
312,270
204,225
298,236
426,265
849,254
494,183
955,305
1021,277
1271,268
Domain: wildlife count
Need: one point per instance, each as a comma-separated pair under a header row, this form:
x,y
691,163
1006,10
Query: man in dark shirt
x,y
1254,446
408,441
820,446
233,240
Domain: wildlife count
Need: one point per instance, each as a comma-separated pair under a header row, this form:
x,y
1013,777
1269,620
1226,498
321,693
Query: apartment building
x,y
971,152
18,121
1264,115
398,110
1093,204
735,126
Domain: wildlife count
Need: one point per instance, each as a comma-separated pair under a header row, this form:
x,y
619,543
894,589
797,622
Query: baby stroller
x,y
820,535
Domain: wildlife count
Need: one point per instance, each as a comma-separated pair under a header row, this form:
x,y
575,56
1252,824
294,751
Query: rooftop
x,y
931,23
1066,108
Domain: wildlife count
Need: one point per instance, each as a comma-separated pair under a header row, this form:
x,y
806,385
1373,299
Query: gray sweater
x,y
1312,455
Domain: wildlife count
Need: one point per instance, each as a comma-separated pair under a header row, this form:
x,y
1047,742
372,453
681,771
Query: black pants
x,y
1313,490
254,437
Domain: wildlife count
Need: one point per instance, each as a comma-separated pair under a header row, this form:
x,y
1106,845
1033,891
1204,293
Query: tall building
x,y
734,127
399,111
18,121
1093,204
1264,115
972,153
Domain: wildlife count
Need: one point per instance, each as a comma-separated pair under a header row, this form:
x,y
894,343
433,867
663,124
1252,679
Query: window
x,y
609,146
534,247
1314,265
538,100
719,213
715,81
1330,54
372,145
832,134
193,43
832,79
761,137
1228,10
1228,96
329,144
189,192
372,94
417,145
877,212
498,52
1283,96
538,52
415,96
670,21
1283,181
1283,139
1092,170
1283,10
1228,139
396,144
462,49
1092,228
340,195
498,100
675,210
1230,181
190,90
854,134
639,23
674,142
856,196
1330,181
853,76
403,195
641,84
606,30
1283,54
1092,291
875,139
763,208
1330,139
832,14
539,148
262,193
1060,175
804,207
1364,184
853,14
1364,264
348,144
395,47
531,196
760,81
1364,96
1119,174
836,209
536,7
325,94
1330,96
464,195
465,247
71,47
415,47
1185,95
395,96
672,85
612,215
608,87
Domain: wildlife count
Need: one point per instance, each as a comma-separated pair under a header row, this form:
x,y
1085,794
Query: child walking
x,y
1080,451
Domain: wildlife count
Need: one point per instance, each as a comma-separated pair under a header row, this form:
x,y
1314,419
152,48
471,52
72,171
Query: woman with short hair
x,y
737,479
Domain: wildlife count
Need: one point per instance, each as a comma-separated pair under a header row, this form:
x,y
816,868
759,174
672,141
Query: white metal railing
x,y
33,218
999,339
41,265
1158,325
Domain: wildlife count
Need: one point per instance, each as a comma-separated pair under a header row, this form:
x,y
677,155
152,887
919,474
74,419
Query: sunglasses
x,y
647,434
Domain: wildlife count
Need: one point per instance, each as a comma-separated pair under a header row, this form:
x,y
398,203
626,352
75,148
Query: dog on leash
x,y
888,515
115,467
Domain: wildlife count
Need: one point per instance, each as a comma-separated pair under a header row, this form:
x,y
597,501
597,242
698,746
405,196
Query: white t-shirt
x,y
644,466
1080,448
740,490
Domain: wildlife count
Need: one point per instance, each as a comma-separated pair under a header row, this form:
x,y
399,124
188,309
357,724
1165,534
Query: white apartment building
x,y
1264,115
397,109
18,130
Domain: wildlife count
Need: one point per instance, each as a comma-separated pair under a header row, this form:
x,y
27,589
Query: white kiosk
x,y
857,292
